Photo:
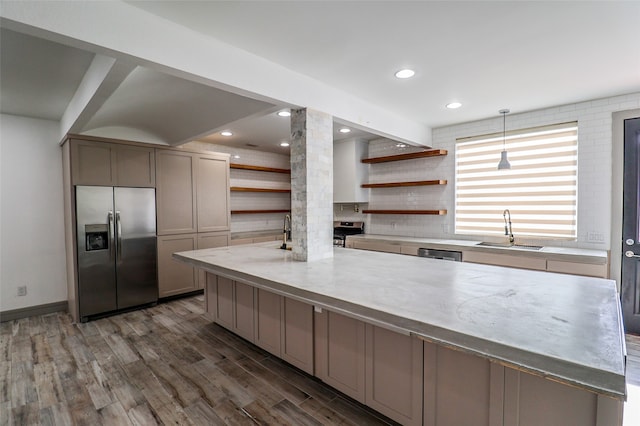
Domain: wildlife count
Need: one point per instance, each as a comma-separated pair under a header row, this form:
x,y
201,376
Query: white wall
x,y
594,172
32,251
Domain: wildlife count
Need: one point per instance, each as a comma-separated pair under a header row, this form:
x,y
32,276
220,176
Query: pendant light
x,y
504,163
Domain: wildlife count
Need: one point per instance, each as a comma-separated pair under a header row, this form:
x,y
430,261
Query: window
x,y
540,189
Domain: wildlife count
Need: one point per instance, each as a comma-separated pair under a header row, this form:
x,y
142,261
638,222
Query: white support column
x,y
311,184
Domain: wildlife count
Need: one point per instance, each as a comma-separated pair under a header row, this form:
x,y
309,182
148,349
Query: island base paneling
x,y
340,353
407,378
277,324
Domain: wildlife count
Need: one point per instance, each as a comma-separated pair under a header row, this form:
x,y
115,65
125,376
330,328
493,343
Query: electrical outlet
x,y
22,290
595,237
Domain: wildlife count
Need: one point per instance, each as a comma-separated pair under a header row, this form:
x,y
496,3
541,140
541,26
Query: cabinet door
x,y
454,379
175,277
394,375
376,246
213,193
268,321
534,263
210,296
223,314
243,317
92,163
175,192
340,353
135,166
575,268
297,334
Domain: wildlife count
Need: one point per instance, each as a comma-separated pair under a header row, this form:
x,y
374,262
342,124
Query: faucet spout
x,y
287,226
508,230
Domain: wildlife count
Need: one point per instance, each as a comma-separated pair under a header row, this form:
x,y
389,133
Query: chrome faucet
x,y
286,232
507,226
287,226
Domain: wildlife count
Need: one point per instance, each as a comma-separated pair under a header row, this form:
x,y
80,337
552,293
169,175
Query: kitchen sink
x,y
507,245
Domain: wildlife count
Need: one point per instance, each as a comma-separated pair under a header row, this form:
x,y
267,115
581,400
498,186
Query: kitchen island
x,y
551,345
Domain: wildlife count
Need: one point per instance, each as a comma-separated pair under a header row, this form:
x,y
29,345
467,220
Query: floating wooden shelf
x,y
408,156
259,168
244,189
432,212
258,211
396,184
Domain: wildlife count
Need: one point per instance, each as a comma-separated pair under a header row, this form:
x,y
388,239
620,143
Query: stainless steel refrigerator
x,y
116,232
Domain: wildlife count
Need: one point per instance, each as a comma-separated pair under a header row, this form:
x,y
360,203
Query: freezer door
x,y
135,230
96,250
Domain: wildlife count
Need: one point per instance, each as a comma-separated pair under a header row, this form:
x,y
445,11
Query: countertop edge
x,y
599,257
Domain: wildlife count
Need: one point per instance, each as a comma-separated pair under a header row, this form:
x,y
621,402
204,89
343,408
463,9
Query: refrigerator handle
x,y
110,230
119,236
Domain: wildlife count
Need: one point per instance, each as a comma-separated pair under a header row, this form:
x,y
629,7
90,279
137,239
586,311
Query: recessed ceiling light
x,y
454,105
405,73
284,143
401,145
226,133
236,156
344,130
284,113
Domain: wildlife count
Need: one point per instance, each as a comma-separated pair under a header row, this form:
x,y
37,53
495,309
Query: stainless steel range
x,y
342,229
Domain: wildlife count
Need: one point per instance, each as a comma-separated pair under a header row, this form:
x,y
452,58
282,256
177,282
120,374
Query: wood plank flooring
x,y
169,365
163,365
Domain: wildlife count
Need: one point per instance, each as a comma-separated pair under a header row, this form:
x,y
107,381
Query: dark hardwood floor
x,y
170,365
162,365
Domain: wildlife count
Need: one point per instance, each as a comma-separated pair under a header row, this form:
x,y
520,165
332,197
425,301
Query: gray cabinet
x,y
175,192
192,192
340,353
111,164
394,375
277,324
175,277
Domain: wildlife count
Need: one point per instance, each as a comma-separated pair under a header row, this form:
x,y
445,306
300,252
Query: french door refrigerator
x,y
116,240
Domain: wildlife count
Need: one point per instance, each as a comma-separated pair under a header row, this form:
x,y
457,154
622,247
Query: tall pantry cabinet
x,y
192,201
192,197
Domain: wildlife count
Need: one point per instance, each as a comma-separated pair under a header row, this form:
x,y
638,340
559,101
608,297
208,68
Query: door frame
x,y
617,179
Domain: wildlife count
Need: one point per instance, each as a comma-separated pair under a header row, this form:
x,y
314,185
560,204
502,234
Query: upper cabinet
x,y
176,192
192,192
349,173
212,183
108,164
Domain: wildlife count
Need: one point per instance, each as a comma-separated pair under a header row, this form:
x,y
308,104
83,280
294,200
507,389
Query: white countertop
x,y
558,325
557,253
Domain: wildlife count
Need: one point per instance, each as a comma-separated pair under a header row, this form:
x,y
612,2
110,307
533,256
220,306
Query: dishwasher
x,y
455,256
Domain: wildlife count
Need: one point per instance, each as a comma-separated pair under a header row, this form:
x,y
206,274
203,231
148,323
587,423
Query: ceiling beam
x,y
120,30
102,78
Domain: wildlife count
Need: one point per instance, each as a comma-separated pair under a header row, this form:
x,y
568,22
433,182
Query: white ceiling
x,y
487,55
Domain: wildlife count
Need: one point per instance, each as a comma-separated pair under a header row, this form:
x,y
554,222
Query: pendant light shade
x,y
504,162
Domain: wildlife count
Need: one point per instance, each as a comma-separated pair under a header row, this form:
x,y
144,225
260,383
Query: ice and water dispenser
x,y
97,236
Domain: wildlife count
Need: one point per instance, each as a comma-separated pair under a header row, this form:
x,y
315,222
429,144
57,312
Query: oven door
x,y
338,240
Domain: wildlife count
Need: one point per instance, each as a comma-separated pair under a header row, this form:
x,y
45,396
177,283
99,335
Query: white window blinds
x,y
540,189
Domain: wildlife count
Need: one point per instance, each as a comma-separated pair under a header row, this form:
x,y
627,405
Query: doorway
x,y
630,274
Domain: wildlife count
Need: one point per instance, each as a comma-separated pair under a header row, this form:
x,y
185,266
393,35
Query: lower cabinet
x,y
340,353
375,366
523,262
175,277
277,324
454,379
